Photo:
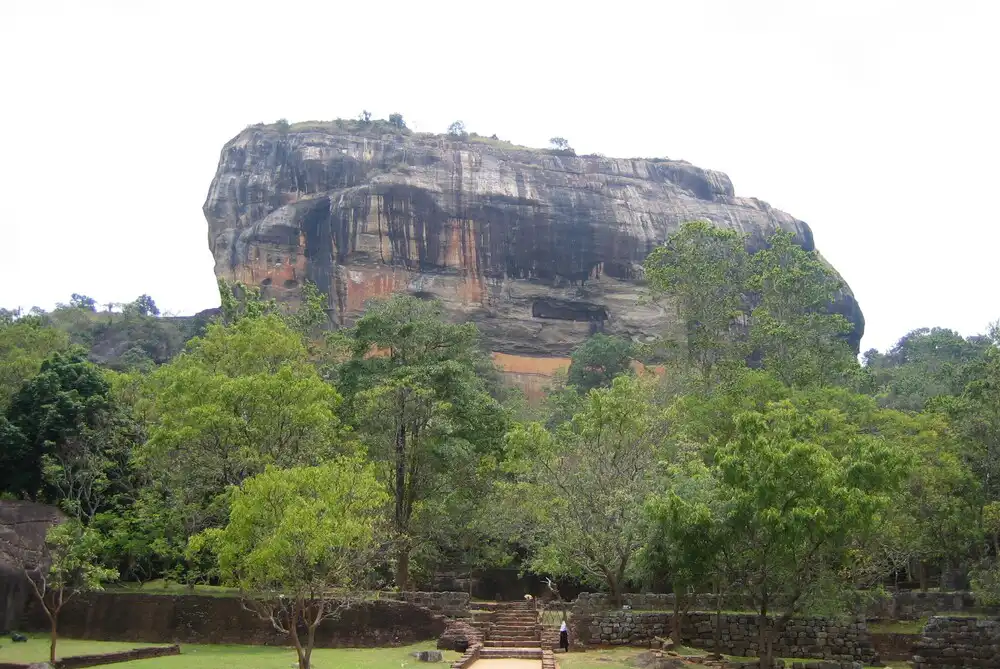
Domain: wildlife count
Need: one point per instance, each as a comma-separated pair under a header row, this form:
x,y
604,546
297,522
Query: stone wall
x,y
81,661
902,605
822,638
109,616
656,601
894,645
451,604
914,604
955,643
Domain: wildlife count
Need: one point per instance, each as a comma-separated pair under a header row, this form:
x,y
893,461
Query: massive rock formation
x,y
539,248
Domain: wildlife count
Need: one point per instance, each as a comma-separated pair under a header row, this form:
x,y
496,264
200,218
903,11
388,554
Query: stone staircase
x,y
514,632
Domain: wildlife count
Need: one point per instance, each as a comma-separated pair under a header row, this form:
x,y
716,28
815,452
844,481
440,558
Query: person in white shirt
x,y
564,637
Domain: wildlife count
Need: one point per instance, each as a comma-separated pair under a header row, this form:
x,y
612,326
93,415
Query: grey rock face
x,y
540,250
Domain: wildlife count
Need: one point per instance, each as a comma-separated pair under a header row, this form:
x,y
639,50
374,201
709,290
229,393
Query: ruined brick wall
x,y
956,643
110,616
822,638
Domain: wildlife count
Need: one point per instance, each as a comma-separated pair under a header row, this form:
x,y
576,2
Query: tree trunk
x,y
293,631
764,638
403,565
52,639
675,632
615,590
310,643
403,557
923,576
717,633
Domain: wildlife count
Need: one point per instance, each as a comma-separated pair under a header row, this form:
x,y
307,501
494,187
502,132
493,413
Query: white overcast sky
x,y
874,121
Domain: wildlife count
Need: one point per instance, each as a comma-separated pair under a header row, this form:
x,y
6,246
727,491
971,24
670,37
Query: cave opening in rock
x,y
567,310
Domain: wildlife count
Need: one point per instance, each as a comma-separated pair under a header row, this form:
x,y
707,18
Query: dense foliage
x,y
759,459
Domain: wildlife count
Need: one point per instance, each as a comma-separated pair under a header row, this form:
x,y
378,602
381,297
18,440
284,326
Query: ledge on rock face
x,y
540,249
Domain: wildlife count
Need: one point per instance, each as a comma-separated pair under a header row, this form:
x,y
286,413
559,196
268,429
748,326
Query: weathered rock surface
x,y
23,526
540,250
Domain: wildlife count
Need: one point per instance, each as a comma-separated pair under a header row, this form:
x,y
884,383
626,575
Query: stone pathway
x,y
506,663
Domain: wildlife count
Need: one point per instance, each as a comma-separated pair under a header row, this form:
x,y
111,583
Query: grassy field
x,y
163,587
226,657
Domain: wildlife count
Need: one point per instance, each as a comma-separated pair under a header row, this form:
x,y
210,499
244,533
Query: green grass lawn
x,y
913,626
37,648
163,587
227,657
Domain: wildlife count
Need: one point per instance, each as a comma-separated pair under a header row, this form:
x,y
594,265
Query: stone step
x,y
520,643
513,637
514,623
514,653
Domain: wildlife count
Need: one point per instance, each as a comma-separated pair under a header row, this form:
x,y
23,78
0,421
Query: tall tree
x,y
299,544
419,393
799,339
803,486
686,534
240,398
704,270
25,343
585,481
54,417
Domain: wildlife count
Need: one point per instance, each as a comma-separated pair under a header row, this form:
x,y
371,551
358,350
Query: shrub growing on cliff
x,y
299,544
457,129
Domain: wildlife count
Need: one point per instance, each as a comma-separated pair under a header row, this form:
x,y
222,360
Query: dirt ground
x,y
506,664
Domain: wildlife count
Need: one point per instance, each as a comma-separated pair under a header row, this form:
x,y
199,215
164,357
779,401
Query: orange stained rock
x,y
523,364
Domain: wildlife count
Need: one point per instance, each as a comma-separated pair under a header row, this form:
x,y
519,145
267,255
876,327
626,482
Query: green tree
x,y
704,271
802,488
800,341
78,301
25,343
311,314
282,125
686,536
241,301
145,306
396,119
586,480
67,565
925,364
240,398
559,144
597,361
299,544
419,394
57,416
457,129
